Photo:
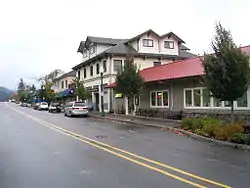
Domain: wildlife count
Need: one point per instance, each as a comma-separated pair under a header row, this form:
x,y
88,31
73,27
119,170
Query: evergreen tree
x,y
227,71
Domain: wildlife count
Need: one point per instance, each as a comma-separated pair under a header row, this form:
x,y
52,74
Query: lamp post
x,y
43,89
102,93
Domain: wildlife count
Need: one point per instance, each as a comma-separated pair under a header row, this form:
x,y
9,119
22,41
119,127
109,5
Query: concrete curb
x,y
213,141
131,122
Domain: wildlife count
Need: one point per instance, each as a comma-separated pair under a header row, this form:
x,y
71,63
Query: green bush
x,y
220,134
239,138
248,139
198,123
200,132
186,123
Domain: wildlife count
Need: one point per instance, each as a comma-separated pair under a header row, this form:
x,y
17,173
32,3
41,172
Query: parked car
x,y
24,104
76,108
35,107
54,107
43,106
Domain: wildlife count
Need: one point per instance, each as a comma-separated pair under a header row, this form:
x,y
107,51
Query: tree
x,y
21,85
227,71
49,93
33,88
80,90
51,76
129,82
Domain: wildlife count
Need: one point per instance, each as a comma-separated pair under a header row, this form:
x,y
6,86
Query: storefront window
x,y
188,97
159,98
206,98
197,97
242,102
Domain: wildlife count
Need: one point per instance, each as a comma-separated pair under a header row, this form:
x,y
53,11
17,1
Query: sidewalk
x,y
138,120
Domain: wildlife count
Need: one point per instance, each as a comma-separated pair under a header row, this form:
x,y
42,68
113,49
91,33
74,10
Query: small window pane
x,y
227,103
153,102
169,44
206,98
242,102
104,66
197,97
117,65
217,103
165,98
97,68
159,98
188,97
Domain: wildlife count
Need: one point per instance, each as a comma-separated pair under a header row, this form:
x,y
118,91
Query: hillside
x,y
5,93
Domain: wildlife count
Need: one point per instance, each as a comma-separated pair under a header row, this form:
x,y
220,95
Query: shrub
x,y
210,129
220,134
239,138
187,123
198,123
232,129
248,139
200,132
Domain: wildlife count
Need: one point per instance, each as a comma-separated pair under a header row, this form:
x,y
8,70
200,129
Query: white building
x,y
109,55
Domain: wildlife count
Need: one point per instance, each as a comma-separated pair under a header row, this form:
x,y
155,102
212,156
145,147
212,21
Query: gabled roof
x,y
102,40
176,70
174,35
98,40
140,35
81,47
68,74
183,47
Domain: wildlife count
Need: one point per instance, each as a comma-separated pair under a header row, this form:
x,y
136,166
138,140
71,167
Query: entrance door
x,y
97,101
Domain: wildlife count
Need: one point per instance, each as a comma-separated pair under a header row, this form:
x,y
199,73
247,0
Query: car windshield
x,y
44,103
81,104
54,104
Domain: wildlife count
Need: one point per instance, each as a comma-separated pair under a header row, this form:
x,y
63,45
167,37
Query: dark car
x,y
54,107
36,106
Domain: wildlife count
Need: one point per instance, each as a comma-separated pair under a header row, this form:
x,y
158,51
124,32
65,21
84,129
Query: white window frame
x,y
155,91
85,53
147,44
211,101
170,41
92,49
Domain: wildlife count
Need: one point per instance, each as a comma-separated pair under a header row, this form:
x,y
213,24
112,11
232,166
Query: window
x,y
84,73
79,74
242,102
117,65
148,43
197,97
62,84
104,66
92,49
157,64
91,70
169,44
159,99
85,53
206,98
188,97
201,98
66,83
97,68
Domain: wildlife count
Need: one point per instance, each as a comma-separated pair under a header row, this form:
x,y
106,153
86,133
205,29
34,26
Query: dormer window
x,y
85,53
92,49
148,43
169,44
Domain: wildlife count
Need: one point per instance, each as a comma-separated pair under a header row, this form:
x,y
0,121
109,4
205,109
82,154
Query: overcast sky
x,y
39,36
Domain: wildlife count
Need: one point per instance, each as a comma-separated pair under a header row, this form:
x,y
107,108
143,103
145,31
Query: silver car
x,y
76,108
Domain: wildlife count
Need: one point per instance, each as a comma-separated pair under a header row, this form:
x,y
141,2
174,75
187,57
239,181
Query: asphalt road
x,y
39,150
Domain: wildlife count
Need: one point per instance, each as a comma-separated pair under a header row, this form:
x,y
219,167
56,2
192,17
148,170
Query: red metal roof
x,y
180,69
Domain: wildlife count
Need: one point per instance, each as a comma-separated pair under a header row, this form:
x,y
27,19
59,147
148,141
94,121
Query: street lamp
x,y
102,93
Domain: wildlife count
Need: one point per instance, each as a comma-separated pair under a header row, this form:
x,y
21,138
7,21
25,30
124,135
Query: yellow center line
x,y
95,142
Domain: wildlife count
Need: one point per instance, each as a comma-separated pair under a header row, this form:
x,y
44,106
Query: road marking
x,y
94,143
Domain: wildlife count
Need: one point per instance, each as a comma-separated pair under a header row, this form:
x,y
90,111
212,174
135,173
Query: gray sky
x,y
39,36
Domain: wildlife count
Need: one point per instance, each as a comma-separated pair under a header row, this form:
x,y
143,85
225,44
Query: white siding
x,y
102,47
149,62
164,50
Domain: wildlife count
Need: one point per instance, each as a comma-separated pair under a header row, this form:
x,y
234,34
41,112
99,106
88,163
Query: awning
x,y
111,85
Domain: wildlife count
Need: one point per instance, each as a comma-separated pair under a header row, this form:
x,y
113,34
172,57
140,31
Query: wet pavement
x,y
35,154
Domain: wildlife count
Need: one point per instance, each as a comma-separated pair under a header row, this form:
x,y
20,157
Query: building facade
x,y
108,56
